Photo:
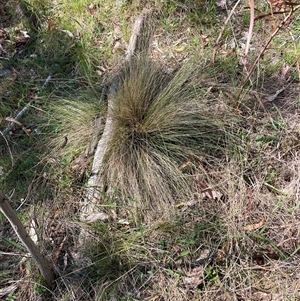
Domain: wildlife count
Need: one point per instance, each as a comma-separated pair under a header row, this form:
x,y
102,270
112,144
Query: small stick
x,y
265,47
250,32
223,29
11,125
10,152
43,264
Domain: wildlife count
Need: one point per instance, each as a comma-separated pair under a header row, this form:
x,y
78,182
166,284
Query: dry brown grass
x,y
159,121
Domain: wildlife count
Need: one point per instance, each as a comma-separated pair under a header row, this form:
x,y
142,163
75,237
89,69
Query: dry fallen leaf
x,y
267,297
205,189
13,120
194,277
273,97
95,217
252,227
185,164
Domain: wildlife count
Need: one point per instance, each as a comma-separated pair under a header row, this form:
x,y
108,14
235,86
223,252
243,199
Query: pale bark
x,y
94,185
94,189
136,30
44,265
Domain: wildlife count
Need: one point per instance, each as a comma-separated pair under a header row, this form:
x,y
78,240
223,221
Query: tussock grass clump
x,y
70,128
158,121
73,119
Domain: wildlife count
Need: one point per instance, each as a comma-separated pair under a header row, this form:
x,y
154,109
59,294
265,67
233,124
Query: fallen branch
x,y
44,265
94,186
136,31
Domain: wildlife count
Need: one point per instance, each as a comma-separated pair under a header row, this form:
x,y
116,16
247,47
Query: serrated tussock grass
x,y
73,119
70,126
159,120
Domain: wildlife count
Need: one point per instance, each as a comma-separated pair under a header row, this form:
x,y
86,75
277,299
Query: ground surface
x,y
238,238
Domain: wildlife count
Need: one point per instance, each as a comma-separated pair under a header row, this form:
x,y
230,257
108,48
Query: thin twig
x,y
11,125
265,47
223,29
9,150
250,32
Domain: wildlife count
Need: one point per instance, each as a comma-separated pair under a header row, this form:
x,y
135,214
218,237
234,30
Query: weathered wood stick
x,y
94,187
44,265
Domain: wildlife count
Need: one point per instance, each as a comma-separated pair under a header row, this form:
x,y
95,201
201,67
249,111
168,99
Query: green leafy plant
x,y
11,297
